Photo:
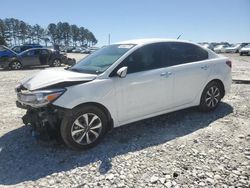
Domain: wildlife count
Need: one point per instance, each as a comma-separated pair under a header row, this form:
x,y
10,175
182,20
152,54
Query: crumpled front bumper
x,y
46,120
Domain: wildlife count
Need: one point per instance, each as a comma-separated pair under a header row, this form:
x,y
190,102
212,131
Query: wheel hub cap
x,y
212,96
86,128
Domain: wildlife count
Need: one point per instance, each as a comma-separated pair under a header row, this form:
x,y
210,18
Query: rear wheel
x,y
85,128
15,65
211,97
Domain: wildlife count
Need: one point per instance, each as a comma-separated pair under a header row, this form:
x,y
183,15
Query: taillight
x,y
229,63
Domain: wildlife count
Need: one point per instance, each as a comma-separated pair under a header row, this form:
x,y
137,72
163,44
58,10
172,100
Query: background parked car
x,y
35,57
19,49
245,50
221,48
90,50
6,52
235,48
69,49
208,45
77,50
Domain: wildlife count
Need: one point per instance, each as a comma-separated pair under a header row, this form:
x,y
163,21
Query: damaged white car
x,y
123,83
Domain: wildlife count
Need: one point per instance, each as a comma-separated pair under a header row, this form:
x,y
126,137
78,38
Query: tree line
x,y
16,32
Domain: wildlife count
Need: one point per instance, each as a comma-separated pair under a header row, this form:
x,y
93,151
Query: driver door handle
x,y
166,74
205,67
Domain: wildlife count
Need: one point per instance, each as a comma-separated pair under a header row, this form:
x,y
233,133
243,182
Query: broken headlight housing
x,y
39,98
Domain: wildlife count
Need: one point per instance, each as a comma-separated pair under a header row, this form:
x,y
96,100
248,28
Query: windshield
x,y
102,59
235,45
219,46
247,46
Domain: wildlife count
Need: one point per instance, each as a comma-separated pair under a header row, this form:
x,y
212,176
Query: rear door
x,y
44,55
191,69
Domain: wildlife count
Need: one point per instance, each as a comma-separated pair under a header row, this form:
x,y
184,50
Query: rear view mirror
x,y
122,72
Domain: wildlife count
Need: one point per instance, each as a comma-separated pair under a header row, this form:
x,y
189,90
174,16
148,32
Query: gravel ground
x,y
181,149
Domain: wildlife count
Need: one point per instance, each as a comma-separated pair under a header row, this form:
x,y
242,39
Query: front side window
x,y
145,58
30,53
102,59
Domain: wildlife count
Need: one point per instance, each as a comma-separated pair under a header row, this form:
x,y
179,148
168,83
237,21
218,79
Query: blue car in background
x,y
19,49
6,52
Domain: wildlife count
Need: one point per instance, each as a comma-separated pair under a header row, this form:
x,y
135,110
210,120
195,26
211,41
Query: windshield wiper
x,y
74,70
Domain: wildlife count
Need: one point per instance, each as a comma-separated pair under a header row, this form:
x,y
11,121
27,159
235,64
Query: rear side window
x,y
179,53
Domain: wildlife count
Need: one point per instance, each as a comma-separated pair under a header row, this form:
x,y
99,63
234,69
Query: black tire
x,y
16,65
56,63
211,97
241,54
73,134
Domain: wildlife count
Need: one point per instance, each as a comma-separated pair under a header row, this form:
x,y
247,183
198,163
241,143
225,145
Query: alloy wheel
x,y
16,65
86,128
57,63
212,96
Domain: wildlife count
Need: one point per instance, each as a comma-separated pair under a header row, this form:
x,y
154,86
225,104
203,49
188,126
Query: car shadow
x,y
22,159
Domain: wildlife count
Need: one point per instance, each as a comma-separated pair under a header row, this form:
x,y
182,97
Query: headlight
x,y
39,98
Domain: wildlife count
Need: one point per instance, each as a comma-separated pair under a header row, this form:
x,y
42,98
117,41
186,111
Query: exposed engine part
x,y
44,121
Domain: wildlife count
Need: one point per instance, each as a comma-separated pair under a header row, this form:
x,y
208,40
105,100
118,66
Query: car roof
x,y
150,40
39,49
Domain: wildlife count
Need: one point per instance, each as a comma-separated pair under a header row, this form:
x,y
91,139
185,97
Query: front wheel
x,y
85,128
211,97
15,65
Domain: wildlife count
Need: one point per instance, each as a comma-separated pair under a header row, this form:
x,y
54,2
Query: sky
x,y
194,20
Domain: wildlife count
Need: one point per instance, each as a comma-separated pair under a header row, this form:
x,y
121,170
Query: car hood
x,y
49,77
248,48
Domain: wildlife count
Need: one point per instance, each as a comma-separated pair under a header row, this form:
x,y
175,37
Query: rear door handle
x,y
204,67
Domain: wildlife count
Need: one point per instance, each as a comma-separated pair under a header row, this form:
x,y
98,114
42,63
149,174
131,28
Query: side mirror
x,y
122,72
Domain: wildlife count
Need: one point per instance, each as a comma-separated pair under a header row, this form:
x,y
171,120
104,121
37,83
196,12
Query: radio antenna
x,y
178,36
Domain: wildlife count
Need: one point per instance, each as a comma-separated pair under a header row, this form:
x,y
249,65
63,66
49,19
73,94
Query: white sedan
x,y
245,50
221,48
123,83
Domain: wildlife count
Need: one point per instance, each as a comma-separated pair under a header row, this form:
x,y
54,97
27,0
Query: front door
x,y
30,58
44,56
147,88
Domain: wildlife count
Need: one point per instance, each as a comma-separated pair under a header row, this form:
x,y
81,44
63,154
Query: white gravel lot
x,y
181,149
